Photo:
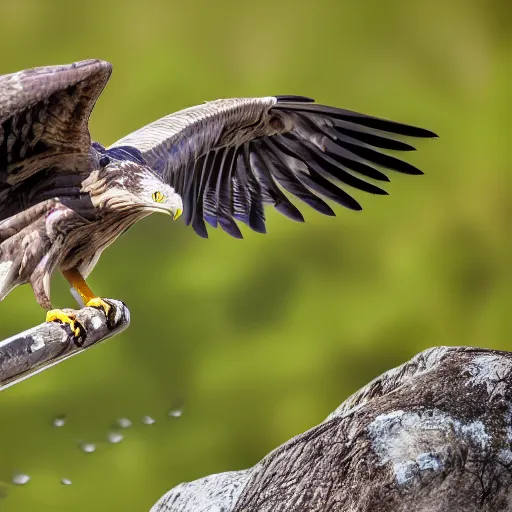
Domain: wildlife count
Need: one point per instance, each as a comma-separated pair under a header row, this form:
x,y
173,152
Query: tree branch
x,y
432,435
49,343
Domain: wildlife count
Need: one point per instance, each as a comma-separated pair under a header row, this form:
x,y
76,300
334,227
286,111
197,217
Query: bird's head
x,y
125,186
153,195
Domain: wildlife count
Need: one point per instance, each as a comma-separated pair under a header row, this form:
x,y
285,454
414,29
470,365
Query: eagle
x,y
65,198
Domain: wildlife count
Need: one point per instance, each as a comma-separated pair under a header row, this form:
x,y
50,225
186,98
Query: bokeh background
x,y
260,339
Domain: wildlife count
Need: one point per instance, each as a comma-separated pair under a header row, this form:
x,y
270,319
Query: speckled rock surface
x,y
214,493
432,435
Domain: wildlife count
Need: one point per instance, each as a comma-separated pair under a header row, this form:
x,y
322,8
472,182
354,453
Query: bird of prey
x,y
64,198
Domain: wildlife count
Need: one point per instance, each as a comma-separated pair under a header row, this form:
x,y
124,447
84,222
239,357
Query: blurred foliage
x,y
262,338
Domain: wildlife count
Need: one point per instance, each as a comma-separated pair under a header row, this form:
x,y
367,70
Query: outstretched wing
x,y
44,114
228,158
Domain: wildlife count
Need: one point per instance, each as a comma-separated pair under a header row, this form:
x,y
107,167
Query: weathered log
x,y
433,435
49,343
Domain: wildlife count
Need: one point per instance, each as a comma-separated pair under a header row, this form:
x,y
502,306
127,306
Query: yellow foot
x,y
57,315
96,302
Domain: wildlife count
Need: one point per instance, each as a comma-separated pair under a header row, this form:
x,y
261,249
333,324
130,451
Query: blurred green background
x,y
261,339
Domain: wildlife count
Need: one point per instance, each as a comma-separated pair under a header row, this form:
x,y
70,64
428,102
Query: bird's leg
x,y
90,299
57,315
76,280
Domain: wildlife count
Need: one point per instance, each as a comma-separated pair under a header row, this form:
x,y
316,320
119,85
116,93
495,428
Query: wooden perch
x,y
432,435
49,343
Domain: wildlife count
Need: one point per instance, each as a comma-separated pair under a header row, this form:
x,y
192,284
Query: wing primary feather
x,y
313,156
357,118
241,198
179,180
197,213
189,192
209,202
291,183
301,99
199,227
338,131
256,219
327,145
347,159
280,202
223,185
373,139
316,182
224,194
387,161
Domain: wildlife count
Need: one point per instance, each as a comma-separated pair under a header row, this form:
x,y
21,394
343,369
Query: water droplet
x,y
124,423
59,421
65,481
88,447
148,420
115,437
20,479
175,413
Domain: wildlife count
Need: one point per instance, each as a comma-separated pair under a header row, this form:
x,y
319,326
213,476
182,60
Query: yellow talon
x,y
97,302
57,315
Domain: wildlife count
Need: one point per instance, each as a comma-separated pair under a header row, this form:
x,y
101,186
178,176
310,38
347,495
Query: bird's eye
x,y
158,197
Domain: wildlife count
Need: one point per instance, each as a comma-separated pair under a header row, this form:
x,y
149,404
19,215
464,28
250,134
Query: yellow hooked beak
x,y
177,214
